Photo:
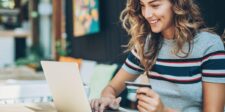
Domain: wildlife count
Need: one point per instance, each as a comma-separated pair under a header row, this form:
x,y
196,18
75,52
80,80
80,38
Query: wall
x,y
7,45
213,13
106,45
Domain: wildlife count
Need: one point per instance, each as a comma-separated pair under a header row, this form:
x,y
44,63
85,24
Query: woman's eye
x,y
155,6
142,6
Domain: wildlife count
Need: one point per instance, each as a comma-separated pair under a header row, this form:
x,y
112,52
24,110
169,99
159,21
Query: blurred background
x,y
31,30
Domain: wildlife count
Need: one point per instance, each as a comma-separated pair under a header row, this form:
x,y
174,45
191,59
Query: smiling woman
x,y
159,14
183,59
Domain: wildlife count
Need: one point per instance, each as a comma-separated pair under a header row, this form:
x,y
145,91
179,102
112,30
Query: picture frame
x,y
85,17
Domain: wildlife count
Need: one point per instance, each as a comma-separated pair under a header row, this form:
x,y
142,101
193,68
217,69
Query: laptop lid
x,y
66,86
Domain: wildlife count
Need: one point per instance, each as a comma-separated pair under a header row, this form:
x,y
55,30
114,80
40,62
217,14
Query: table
x,y
27,107
40,107
15,33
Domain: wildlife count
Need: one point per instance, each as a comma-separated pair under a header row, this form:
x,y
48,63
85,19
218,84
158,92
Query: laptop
x,y
66,86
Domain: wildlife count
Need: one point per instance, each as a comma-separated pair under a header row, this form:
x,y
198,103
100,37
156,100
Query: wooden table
x,y
39,107
14,33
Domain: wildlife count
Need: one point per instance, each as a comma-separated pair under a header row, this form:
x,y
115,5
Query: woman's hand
x,y
149,101
99,105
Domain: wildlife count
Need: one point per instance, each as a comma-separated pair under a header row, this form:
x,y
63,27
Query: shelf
x,y
14,34
9,11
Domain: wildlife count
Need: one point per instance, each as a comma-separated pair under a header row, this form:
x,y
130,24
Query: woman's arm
x,y
213,97
110,92
117,85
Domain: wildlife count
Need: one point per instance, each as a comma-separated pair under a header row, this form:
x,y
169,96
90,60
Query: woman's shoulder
x,y
208,36
209,42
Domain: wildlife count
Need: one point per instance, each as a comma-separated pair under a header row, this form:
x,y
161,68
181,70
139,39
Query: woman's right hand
x,y
99,105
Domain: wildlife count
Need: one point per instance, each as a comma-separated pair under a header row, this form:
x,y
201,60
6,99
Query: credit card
x,y
133,86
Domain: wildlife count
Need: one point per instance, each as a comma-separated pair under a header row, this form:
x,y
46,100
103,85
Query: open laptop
x,y
66,86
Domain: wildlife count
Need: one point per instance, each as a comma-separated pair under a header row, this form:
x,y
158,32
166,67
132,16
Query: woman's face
x,y
159,15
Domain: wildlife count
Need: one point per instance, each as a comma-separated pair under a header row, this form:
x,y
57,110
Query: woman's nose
x,y
148,12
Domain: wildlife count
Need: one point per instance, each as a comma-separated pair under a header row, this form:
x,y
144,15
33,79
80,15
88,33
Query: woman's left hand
x,y
149,101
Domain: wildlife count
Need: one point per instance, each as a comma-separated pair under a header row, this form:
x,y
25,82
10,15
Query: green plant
x,y
61,48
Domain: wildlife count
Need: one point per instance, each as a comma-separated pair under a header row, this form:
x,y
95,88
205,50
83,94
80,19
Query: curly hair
x,y
187,19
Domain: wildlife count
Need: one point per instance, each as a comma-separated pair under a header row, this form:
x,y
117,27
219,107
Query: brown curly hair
x,y
187,20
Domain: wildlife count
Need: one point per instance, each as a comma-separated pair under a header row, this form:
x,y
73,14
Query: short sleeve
x,y
213,62
132,64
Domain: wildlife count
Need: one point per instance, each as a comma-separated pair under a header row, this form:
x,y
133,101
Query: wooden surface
x,y
13,33
41,107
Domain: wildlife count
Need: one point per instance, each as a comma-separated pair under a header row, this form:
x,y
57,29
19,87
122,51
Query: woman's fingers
x,y
148,92
147,103
96,105
145,99
115,103
146,106
92,103
102,107
99,105
141,109
148,100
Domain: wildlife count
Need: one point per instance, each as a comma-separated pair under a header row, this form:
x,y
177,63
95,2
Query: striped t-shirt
x,y
178,80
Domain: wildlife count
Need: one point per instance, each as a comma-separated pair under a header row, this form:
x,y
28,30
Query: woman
x,y
183,60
